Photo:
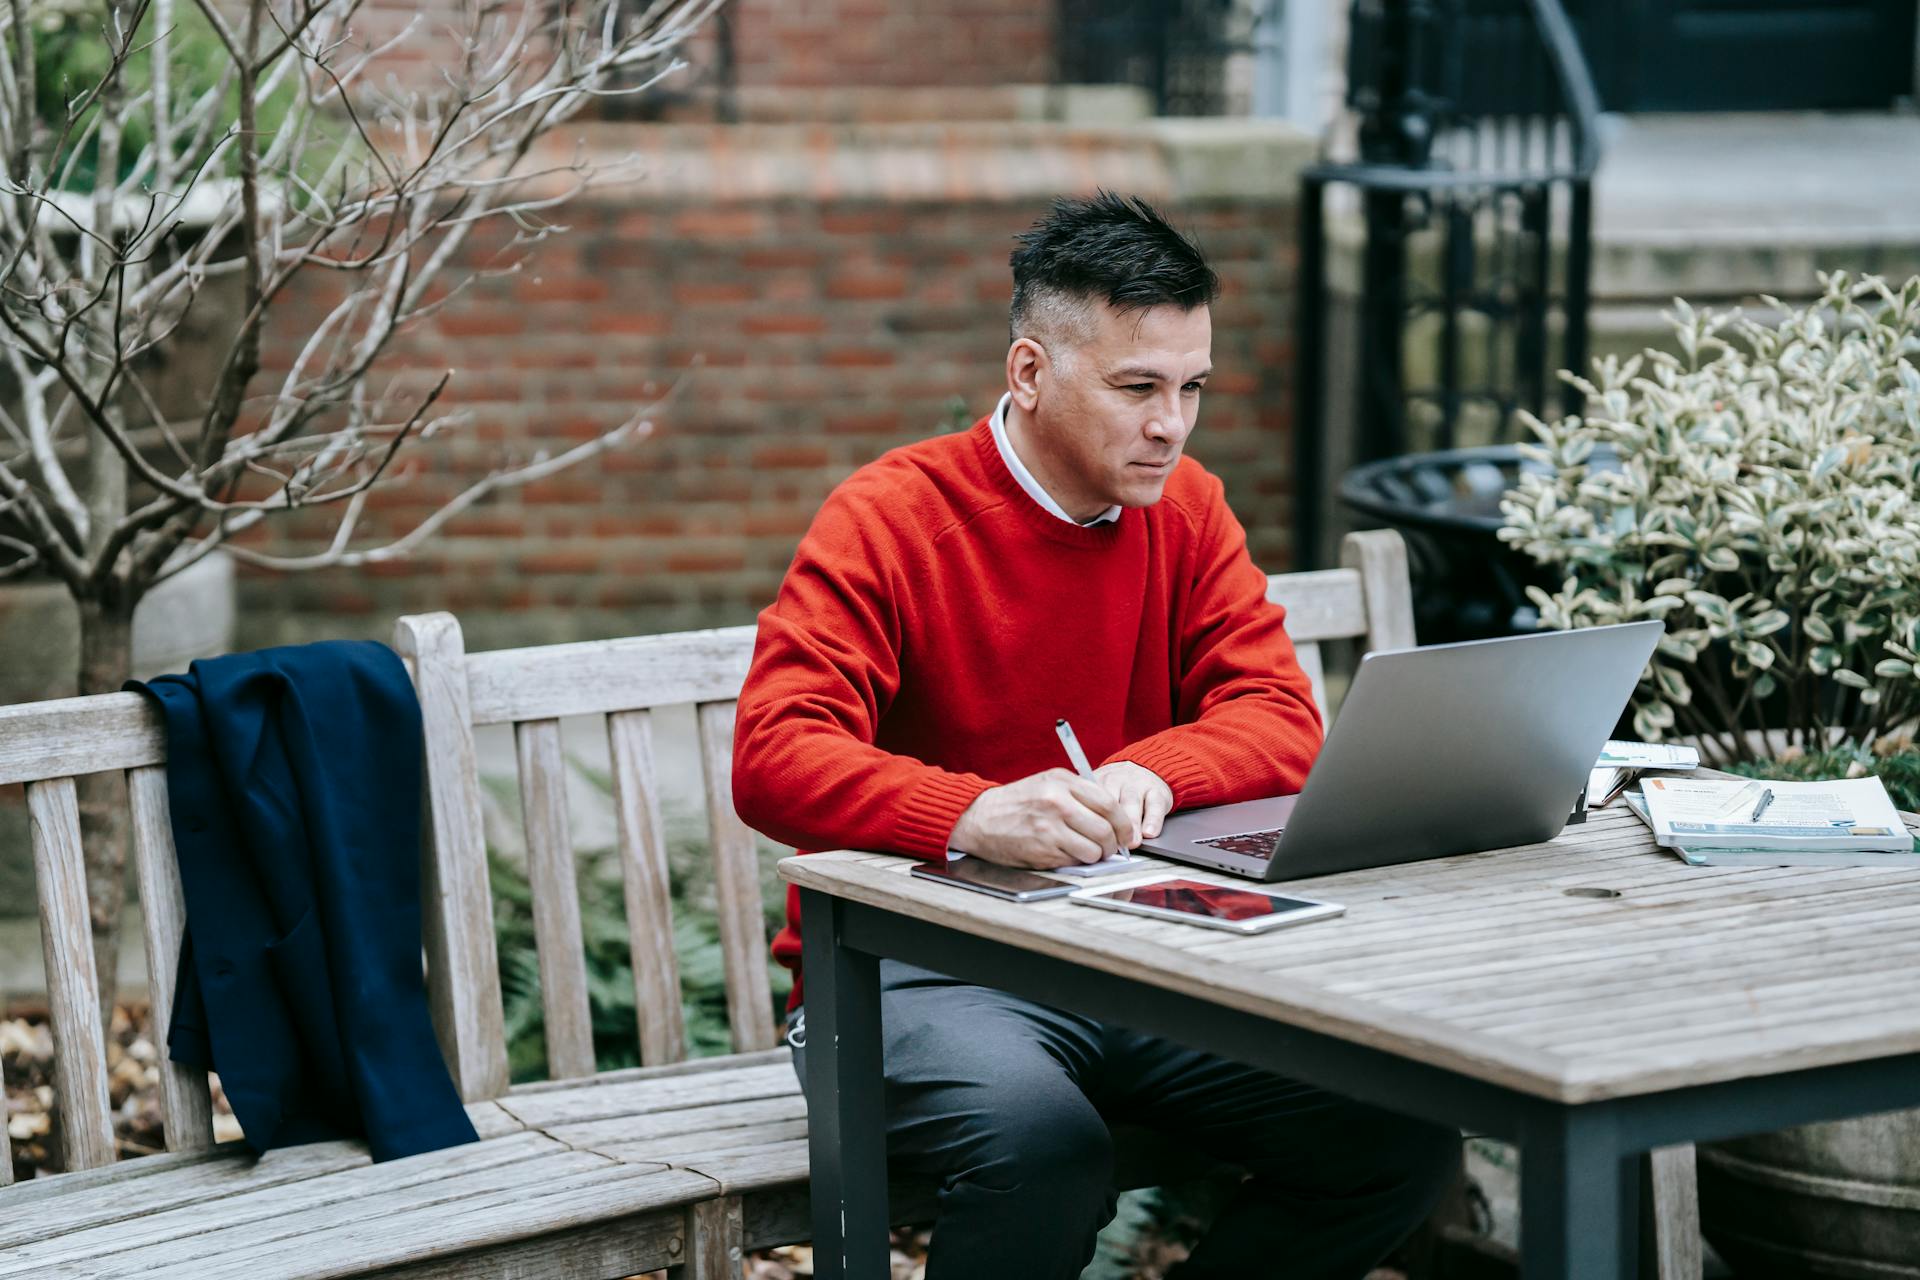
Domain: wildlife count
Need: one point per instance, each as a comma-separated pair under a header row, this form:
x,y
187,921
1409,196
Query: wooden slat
x,y
6,1141
555,680
67,737
630,1244
1380,557
1675,1202
736,867
556,899
50,1207
456,903
427,1219
643,870
687,1150
186,1109
550,1108
726,1123
258,1210
1308,656
633,1075
1321,604
73,996
772,1164
716,1241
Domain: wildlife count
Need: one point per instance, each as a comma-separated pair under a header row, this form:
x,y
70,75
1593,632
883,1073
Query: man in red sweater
x,y
950,602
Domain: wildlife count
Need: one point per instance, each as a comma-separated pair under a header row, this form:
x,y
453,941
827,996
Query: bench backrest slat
x,y
73,995
555,883
1369,597
186,1111
597,676
642,846
736,869
463,974
68,737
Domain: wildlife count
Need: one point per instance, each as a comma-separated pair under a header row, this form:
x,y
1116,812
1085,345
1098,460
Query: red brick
x,y
485,525
473,321
867,222
867,288
783,524
778,259
785,324
563,488
562,289
720,224
790,456
857,358
863,424
705,562
699,293
610,322
654,524
560,562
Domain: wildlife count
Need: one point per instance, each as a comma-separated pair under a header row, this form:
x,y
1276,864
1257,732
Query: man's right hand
x,y
1050,819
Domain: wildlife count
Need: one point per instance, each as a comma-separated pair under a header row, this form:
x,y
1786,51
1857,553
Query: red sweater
x,y
936,621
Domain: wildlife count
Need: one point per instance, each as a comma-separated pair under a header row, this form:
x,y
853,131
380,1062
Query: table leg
x,y
1579,1201
846,1129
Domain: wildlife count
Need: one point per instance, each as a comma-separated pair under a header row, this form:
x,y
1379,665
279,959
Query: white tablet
x,y
1229,907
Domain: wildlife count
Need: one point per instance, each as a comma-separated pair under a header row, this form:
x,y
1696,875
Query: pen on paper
x,y
1766,798
1078,756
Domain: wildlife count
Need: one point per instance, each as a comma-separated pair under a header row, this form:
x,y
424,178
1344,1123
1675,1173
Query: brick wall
x,y
892,42
813,297
785,45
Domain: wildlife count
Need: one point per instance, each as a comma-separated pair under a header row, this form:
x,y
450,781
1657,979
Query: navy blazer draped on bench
x,y
294,777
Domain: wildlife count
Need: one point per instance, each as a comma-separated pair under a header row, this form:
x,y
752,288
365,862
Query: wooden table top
x,y
1487,965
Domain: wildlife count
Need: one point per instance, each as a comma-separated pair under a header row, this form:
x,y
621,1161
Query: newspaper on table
x,y
1842,814
1621,754
1621,761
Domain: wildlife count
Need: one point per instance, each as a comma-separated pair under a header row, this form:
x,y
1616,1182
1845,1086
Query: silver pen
x,y
1078,756
1766,798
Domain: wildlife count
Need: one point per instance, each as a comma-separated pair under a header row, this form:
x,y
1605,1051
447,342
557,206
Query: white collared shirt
x,y
1025,477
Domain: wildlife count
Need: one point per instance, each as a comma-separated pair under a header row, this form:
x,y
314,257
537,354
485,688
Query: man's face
x,y
1111,415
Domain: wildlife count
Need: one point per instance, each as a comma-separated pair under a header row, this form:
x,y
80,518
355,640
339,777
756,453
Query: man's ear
x,y
1026,362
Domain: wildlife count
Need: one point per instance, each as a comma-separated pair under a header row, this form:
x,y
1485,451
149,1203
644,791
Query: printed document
x,y
1840,813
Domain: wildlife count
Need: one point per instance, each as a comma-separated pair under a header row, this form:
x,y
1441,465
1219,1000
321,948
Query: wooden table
x,y
1590,998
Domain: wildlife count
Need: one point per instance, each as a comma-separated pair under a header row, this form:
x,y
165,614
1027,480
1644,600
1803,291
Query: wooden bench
x,y
677,1164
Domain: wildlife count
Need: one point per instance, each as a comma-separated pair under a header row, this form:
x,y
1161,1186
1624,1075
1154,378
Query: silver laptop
x,y
1446,749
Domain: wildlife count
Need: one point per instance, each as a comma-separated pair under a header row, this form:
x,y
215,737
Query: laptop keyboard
x,y
1253,844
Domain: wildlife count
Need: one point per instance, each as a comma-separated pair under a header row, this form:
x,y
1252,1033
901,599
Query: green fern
x,y
609,961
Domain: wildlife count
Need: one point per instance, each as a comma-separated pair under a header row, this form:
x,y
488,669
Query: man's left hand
x,y
1145,798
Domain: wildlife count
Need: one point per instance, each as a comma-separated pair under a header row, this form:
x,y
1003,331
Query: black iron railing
x,y
1472,191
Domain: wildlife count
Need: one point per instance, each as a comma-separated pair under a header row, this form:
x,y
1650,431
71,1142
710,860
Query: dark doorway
x,y
1745,55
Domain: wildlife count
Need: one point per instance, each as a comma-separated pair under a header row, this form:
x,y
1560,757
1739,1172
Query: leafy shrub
x,y
1763,506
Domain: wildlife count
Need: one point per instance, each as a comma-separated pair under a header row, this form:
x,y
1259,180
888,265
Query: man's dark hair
x,y
1112,248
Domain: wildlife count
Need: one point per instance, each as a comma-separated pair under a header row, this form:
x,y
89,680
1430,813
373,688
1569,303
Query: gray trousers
x,y
1008,1103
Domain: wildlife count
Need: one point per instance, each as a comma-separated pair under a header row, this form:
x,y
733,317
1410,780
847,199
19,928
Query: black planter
x,y
1467,584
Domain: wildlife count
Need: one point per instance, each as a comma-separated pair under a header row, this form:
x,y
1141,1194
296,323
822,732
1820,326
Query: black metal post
x,y
1579,286
846,1126
1310,375
1579,1198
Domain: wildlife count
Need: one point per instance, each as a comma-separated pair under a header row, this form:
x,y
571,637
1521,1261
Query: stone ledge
x,y
990,161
